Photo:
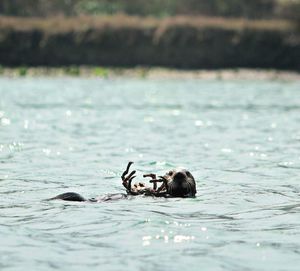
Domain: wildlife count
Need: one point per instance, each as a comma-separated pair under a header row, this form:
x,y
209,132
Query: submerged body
x,y
175,183
72,196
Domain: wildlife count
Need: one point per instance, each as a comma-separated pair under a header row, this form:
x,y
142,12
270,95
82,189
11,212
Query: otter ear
x,y
188,173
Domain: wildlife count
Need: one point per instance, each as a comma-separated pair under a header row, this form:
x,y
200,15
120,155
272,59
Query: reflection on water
x,y
239,139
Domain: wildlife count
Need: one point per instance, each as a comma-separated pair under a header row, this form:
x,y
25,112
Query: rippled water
x,y
240,139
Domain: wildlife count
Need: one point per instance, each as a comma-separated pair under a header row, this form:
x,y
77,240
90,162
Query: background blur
x,y
174,33
230,8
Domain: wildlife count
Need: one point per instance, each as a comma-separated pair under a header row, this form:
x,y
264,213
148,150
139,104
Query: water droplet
x,y
68,113
226,150
148,119
273,125
176,112
146,243
198,123
286,164
47,151
182,238
26,123
147,238
5,121
129,150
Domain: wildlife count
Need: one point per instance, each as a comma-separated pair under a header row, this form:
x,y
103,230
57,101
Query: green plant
x,y
101,72
72,70
22,71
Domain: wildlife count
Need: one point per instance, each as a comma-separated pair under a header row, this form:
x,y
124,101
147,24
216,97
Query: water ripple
x,y
239,139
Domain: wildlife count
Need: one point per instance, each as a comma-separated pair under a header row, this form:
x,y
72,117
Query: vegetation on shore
x,y
160,8
149,73
181,42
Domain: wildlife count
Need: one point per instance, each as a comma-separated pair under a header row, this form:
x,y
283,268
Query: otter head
x,y
181,183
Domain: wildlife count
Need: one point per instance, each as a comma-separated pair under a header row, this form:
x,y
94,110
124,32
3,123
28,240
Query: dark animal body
x,y
175,183
71,196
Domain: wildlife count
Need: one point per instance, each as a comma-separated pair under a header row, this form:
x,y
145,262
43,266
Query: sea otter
x,y
175,183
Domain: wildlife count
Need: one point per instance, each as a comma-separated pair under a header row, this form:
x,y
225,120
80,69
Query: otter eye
x,y
170,173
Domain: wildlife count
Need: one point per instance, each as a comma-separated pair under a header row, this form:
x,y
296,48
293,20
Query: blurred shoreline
x,y
149,73
185,42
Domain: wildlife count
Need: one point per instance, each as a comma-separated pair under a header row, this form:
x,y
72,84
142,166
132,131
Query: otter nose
x,y
179,176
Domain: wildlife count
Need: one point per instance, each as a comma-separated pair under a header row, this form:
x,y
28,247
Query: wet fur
x,y
181,183
175,183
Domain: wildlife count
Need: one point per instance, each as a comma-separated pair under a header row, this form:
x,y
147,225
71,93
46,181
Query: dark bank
x,y
121,40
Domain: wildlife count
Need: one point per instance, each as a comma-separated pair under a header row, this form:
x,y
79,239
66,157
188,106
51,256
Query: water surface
x,y
240,139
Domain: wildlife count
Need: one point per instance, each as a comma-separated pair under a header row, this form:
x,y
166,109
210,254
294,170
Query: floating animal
x,y
175,183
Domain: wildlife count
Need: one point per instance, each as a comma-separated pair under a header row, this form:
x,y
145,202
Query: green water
x,y
240,139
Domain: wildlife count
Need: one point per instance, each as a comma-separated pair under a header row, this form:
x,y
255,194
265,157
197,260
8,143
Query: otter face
x,y
181,183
